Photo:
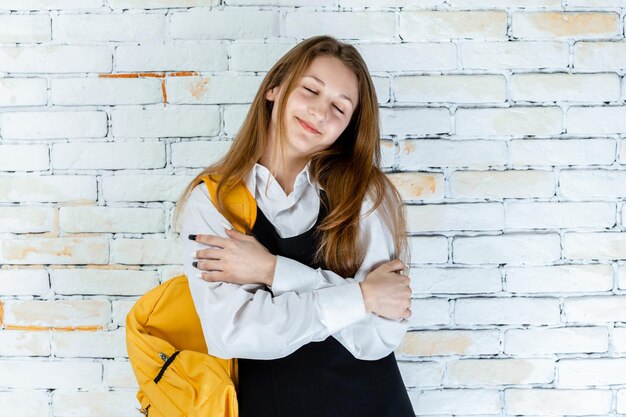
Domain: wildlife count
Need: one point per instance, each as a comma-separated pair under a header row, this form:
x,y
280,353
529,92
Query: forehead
x,y
335,76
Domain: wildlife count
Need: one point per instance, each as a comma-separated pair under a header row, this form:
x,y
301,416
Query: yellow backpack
x,y
177,377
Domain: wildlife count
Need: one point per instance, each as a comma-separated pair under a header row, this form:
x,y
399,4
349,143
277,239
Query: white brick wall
x,y
503,127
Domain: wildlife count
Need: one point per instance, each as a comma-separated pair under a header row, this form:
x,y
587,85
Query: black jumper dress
x,y
320,379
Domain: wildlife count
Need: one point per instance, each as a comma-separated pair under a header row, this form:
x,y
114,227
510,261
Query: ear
x,y
271,94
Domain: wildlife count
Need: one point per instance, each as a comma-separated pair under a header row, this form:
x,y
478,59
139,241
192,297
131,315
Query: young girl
x,y
311,299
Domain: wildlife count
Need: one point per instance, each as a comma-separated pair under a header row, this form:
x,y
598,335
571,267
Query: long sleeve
x,y
369,339
245,321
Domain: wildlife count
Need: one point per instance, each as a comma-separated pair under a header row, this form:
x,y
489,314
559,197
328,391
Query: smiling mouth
x,y
306,126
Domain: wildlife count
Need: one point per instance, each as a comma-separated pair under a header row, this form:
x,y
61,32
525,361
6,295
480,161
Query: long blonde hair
x,y
347,170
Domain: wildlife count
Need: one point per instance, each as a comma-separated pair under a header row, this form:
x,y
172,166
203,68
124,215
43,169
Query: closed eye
x,y
338,109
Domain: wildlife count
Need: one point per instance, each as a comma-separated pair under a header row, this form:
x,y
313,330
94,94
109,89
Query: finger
x,y
210,276
208,265
212,240
208,254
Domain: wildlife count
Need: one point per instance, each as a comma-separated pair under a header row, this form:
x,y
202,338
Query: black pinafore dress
x,y
320,379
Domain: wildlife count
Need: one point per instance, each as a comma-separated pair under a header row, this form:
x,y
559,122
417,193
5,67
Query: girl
x,y
309,299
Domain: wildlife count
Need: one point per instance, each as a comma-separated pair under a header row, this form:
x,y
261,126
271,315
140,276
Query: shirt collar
x,y
251,178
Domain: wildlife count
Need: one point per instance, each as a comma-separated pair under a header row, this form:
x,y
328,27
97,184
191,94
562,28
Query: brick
x,y
594,245
456,401
422,56
450,88
212,89
489,4
555,152
50,4
24,158
502,184
62,250
16,92
603,56
441,153
24,343
450,342
24,403
512,121
596,120
121,307
126,27
564,25
559,278
63,314
418,186
415,121
421,374
619,339
109,344
548,401
24,28
514,54
380,26
238,23
24,281
429,312
106,91
109,155
442,217
428,249
587,183
582,372
53,124
144,187
511,248
51,375
182,56
159,4
111,220
24,219
47,188
56,58
549,215
198,153
183,120
102,281
510,310
558,340
256,56
595,309
95,403
145,251
455,280
485,372
444,25
558,87
119,374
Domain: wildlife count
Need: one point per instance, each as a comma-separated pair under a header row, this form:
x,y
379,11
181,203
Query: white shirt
x,y
239,321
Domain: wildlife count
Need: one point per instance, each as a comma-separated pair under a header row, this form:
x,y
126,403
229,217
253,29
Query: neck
x,y
285,174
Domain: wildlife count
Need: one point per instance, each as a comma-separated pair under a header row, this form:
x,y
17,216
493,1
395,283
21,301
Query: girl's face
x,y
324,99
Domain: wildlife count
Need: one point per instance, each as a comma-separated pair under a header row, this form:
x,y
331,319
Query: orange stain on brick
x,y
1,312
434,343
408,147
163,75
571,24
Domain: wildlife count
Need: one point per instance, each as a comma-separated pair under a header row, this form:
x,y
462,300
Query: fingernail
x,y
192,237
194,264
226,226
193,254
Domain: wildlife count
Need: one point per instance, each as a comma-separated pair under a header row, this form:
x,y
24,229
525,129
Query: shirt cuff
x,y
342,306
291,275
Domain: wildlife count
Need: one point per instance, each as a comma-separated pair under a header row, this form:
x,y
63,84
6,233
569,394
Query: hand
x,y
239,259
386,292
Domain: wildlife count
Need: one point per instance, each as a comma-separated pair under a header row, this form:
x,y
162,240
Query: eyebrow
x,y
324,84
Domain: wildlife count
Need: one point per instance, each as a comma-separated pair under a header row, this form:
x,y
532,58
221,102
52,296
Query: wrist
x,y
269,277
367,299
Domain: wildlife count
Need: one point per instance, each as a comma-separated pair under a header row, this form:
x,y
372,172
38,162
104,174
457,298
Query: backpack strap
x,y
239,200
